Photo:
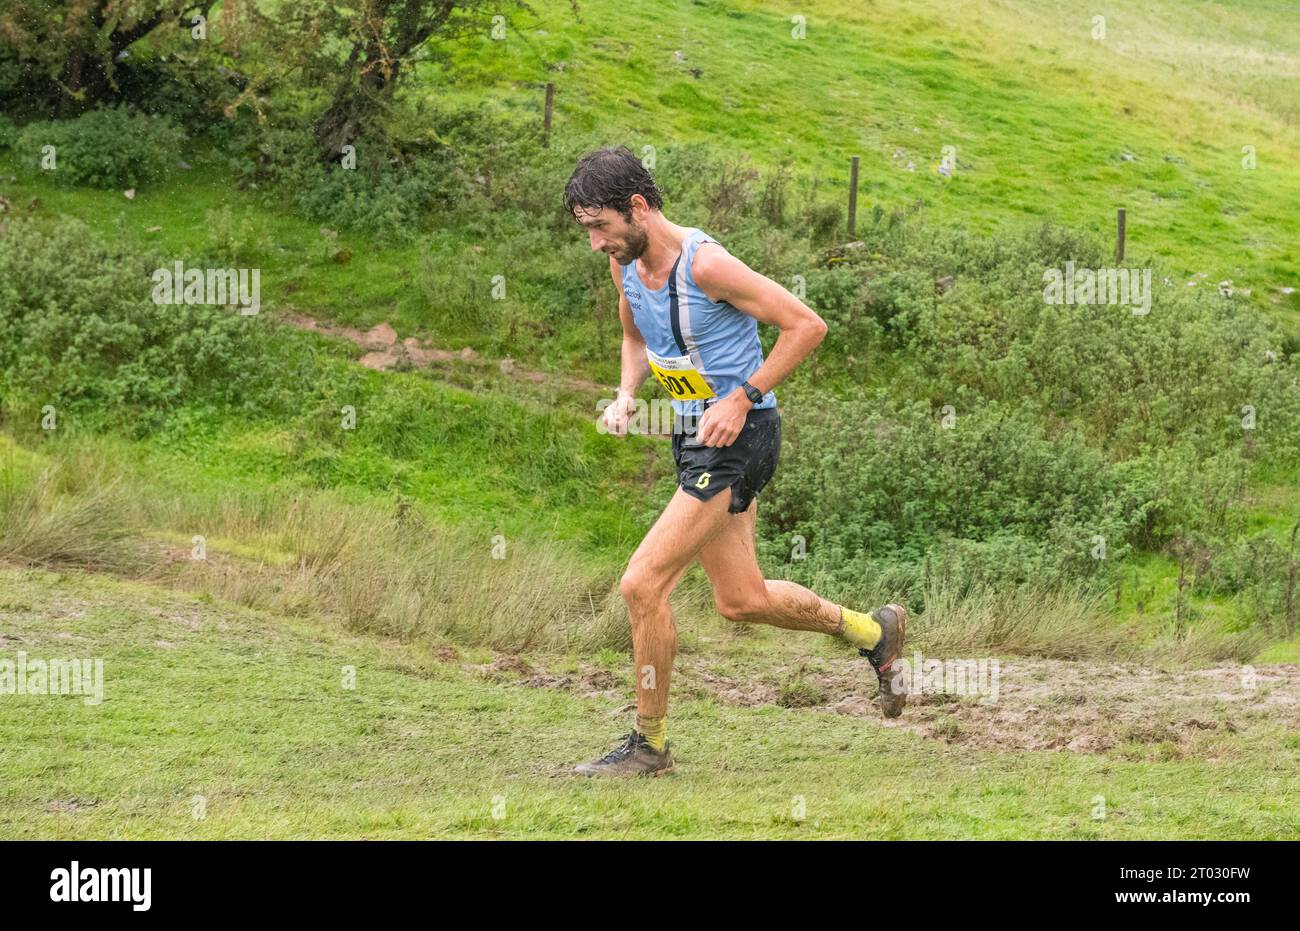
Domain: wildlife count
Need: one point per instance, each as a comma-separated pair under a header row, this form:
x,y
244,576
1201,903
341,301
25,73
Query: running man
x,y
690,314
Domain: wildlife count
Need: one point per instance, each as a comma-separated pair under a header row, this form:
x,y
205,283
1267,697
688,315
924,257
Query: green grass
x,y
247,710
249,713
1284,651
1150,592
174,218
521,462
1040,114
394,567
1275,496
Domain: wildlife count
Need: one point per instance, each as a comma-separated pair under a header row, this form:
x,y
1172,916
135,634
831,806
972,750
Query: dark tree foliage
x,y
62,56
384,38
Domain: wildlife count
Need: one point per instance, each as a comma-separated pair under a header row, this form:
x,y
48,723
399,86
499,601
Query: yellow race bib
x,y
679,377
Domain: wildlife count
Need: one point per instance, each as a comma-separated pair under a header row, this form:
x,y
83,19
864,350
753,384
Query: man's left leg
x,y
741,594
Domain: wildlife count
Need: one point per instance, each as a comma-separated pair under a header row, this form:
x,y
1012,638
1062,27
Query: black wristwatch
x,y
752,393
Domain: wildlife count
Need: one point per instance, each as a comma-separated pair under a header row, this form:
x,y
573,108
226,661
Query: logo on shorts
x,y
703,481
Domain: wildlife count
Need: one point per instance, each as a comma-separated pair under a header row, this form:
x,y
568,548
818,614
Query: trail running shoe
x,y
892,619
634,757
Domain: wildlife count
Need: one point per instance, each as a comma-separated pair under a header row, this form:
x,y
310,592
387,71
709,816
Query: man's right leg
x,y
686,526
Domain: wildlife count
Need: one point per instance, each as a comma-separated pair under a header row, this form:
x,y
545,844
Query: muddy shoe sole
x,y
892,619
606,773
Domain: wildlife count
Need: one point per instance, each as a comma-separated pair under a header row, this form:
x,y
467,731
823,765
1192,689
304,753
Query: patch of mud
x,y
1051,705
69,805
169,555
589,682
384,350
190,620
1096,708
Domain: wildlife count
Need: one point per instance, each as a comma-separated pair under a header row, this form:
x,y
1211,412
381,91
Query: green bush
x,y
390,194
79,330
1257,570
681,170
392,202
881,481
109,148
971,311
471,160
190,89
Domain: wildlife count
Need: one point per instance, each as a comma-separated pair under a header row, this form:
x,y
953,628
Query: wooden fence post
x,y
546,126
853,196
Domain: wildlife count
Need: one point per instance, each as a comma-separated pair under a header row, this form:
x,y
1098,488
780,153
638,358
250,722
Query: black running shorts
x,y
745,466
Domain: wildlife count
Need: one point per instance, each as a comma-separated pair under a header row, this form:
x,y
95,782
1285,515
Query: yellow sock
x,y
859,629
654,730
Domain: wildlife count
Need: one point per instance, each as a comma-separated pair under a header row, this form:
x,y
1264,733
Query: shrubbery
x,y
882,481
970,312
387,195
109,148
1257,570
79,330
405,181
1070,424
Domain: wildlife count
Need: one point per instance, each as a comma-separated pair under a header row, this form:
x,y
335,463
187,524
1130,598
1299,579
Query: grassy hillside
x,y
259,735
459,545
1042,116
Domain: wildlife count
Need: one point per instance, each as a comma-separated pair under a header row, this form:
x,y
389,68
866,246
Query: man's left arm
x,y
723,277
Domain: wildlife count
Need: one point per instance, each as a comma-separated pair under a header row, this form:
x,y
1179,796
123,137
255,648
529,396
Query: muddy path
x,y
385,351
1051,705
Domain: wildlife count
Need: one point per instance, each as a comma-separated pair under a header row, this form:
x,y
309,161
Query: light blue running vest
x,y
681,320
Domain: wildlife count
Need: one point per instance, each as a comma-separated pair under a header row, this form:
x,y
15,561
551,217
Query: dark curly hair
x,y
608,178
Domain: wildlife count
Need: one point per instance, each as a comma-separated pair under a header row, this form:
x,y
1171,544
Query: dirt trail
x,y
385,351
1039,704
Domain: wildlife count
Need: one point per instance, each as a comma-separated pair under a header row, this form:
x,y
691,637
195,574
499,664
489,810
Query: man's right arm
x,y
635,365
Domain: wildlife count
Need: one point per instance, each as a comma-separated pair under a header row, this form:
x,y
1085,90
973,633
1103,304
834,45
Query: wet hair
x,y
608,178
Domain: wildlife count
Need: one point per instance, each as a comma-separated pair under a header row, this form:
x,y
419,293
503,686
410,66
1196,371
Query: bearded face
x,y
625,240
635,239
